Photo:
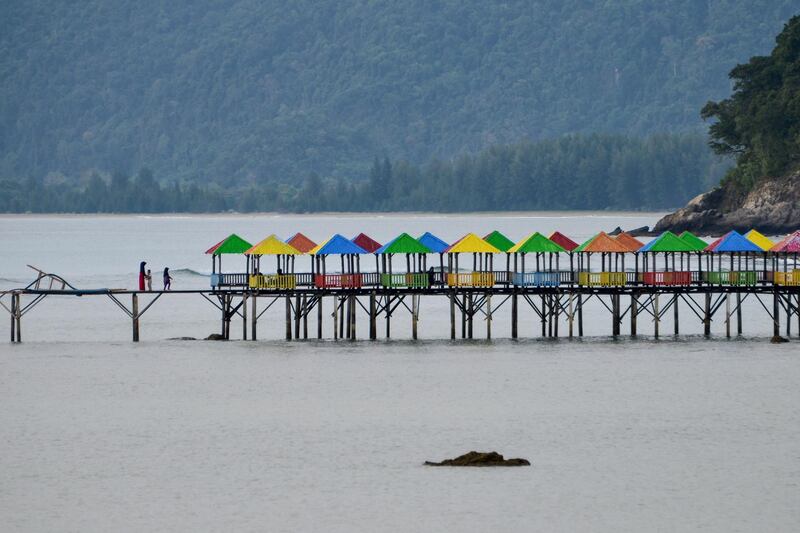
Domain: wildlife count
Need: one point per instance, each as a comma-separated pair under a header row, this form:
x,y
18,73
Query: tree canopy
x,y
760,122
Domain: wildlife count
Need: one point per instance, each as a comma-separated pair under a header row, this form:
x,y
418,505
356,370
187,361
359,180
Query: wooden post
x,y
571,314
728,315
453,315
544,317
134,313
373,326
335,317
738,313
244,316
470,316
353,309
675,316
388,311
557,301
464,316
13,317
224,304
707,315
514,317
297,312
615,314
414,311
788,316
580,315
776,315
634,313
319,317
288,317
342,318
253,317
656,315
489,316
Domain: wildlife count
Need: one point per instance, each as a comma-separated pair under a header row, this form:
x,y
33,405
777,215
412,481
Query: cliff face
x,y
772,206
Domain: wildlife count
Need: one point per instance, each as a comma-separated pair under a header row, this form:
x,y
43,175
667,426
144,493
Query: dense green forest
x,y
573,172
261,94
760,123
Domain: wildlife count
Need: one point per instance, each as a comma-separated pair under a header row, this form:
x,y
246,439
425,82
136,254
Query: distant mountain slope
x,y
239,91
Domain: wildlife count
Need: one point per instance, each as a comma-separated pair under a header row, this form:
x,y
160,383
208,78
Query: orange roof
x,y
301,243
602,243
632,243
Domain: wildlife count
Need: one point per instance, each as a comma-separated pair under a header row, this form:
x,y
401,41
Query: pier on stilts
x,y
672,278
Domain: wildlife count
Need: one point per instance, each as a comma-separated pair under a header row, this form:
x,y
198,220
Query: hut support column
x,y
707,315
341,307
675,316
373,327
656,316
453,316
615,314
253,317
13,317
738,313
571,314
319,318
353,309
297,312
728,315
335,317
634,313
489,316
580,315
514,311
134,315
776,316
388,311
464,316
544,316
414,315
288,317
305,316
470,315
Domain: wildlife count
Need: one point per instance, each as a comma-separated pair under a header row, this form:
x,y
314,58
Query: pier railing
x,y
791,279
538,279
229,280
410,280
273,281
667,278
730,278
471,279
602,279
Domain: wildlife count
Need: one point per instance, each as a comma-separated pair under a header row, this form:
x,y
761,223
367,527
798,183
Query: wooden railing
x,y
305,279
339,281
730,278
273,281
791,279
229,280
602,279
537,279
471,279
410,280
502,277
370,279
666,278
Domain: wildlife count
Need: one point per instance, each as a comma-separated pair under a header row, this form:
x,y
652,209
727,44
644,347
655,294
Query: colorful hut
x,y
349,253
231,245
537,244
366,242
437,246
608,249
697,244
789,246
669,245
563,241
759,240
284,277
414,276
629,241
482,251
736,246
504,244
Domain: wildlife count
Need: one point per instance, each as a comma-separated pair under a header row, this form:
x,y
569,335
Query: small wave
x,y
189,272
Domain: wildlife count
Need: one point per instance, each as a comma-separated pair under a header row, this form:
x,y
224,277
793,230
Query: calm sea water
x,y
99,434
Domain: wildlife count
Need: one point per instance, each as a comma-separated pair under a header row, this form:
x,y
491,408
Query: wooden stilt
x,y
353,309
305,316
488,316
615,314
414,311
19,318
319,318
656,316
514,317
134,312
738,313
728,315
373,326
288,317
776,315
253,317
544,316
244,316
464,316
342,316
453,316
13,317
580,315
297,312
557,306
335,317
470,315
634,313
707,315
549,315
675,316
571,314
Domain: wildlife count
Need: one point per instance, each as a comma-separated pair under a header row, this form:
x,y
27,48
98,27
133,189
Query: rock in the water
x,y
182,339
615,231
643,231
777,339
772,206
481,459
215,337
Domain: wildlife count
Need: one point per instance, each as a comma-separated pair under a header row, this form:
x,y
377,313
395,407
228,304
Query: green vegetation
x,y
573,172
760,123
257,93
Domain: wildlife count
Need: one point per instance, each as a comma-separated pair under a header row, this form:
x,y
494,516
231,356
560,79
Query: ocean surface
x,y
677,434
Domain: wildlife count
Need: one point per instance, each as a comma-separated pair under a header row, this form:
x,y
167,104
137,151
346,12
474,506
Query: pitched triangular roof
x,y
602,243
339,245
733,241
300,242
403,244
632,243
536,243
759,240
433,242
272,245
667,242
697,244
563,241
366,242
471,243
499,241
232,244
790,243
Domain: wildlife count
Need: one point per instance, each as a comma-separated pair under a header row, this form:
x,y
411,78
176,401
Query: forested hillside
x,y
254,92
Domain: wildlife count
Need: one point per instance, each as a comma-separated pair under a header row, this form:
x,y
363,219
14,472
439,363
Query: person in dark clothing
x,y
431,277
167,279
142,275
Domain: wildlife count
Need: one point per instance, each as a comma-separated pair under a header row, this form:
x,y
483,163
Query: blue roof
x,y
339,245
433,242
736,242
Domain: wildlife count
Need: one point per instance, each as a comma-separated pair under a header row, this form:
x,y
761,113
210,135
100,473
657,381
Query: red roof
x,y
301,243
563,241
366,242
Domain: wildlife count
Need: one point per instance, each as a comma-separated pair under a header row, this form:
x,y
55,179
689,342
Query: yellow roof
x,y
759,240
472,244
272,245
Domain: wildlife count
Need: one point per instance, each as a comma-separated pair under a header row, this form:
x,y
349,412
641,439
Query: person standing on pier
x,y
149,279
167,279
142,275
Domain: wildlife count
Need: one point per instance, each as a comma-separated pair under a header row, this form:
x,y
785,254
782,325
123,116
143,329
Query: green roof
x,y
233,244
667,242
694,241
403,244
537,243
499,241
